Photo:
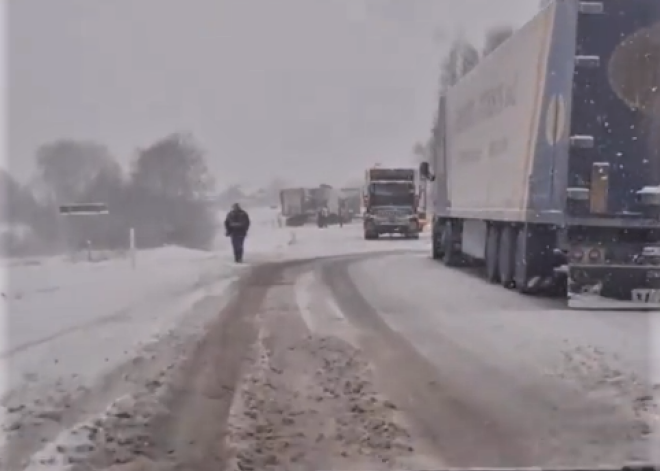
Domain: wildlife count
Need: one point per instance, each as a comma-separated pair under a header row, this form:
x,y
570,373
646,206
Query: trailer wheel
x,y
436,244
492,254
507,256
451,257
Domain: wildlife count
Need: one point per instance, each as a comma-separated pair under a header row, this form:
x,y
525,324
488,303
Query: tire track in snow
x,y
318,308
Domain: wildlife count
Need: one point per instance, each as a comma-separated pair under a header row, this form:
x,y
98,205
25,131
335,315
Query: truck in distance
x,y
300,206
293,206
351,203
390,201
546,164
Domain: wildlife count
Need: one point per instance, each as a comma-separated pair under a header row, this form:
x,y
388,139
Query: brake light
x,y
576,255
595,255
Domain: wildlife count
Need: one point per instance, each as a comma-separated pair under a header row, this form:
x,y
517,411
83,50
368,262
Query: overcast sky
x,y
310,90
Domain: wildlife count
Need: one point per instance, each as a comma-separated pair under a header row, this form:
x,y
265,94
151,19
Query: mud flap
x,y
620,287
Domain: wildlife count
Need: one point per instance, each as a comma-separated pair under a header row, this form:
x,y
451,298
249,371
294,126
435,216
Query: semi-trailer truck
x,y
324,197
546,162
292,201
350,203
390,201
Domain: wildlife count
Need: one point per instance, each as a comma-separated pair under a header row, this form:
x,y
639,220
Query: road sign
x,y
86,209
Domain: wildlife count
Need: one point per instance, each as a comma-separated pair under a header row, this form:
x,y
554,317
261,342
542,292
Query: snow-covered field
x,y
70,314
70,326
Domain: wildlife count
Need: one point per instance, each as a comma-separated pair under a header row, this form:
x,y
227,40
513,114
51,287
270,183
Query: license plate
x,y
645,296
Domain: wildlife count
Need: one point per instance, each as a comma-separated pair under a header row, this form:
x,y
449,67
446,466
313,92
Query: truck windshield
x,y
392,194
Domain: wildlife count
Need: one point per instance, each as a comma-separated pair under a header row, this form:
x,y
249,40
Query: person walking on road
x,y
237,225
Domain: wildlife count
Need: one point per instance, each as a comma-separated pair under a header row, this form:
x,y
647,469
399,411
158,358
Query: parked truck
x,y
390,201
324,196
292,201
547,157
350,203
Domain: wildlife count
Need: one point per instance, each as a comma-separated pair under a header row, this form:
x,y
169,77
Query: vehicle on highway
x,y
546,161
293,206
325,198
390,201
351,200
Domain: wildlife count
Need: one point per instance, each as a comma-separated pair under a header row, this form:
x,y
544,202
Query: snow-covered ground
x,y
70,326
52,304
68,316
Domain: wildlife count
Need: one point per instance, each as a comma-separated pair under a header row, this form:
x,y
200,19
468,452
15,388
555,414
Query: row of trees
x,y
166,196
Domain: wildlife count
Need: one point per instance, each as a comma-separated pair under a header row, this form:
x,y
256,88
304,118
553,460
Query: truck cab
x,y
390,199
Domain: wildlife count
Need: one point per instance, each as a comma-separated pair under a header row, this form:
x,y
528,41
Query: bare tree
x,y
66,166
461,59
495,37
172,192
16,201
175,167
419,151
422,150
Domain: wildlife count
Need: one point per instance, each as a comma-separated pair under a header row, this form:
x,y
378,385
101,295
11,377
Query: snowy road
x,y
536,383
326,352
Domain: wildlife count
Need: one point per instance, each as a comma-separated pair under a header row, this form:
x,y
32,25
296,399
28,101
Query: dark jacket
x,y
237,223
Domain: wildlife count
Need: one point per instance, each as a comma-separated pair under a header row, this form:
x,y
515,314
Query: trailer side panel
x,y
492,122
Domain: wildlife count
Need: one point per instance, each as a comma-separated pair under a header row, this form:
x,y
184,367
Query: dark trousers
x,y
237,242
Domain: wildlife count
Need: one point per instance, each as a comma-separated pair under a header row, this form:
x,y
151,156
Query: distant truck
x,y
547,158
390,201
351,203
326,197
292,201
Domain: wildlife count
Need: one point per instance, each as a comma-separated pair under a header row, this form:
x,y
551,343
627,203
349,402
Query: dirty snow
x,y
309,399
608,356
82,335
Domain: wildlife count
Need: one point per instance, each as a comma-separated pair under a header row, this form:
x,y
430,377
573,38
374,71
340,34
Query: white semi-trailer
x,y
292,202
547,157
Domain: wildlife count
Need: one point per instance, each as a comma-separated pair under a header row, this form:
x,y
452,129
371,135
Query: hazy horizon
x,y
310,91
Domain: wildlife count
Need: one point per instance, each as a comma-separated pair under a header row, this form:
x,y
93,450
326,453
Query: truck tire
x,y
507,256
436,244
451,257
492,254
